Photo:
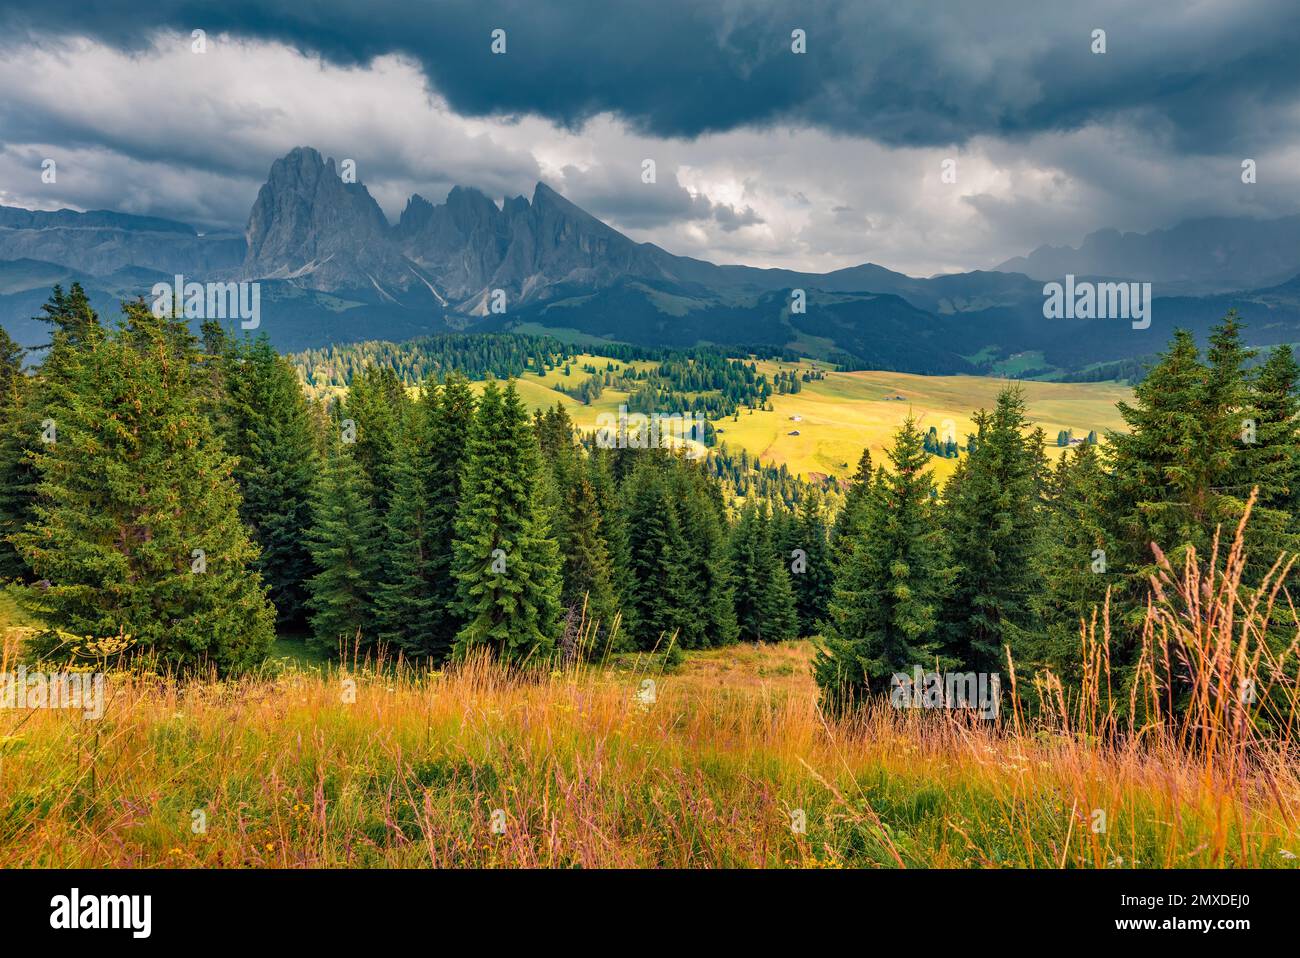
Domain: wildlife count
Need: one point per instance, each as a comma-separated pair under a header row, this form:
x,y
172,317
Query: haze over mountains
x,y
334,269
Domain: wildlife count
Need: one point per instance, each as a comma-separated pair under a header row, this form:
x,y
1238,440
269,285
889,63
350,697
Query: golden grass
x,y
845,412
711,765
587,773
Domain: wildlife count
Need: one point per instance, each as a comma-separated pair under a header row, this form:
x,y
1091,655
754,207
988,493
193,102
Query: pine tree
x,y
765,609
18,431
586,567
137,526
505,562
992,521
344,541
883,615
657,599
702,519
813,578
270,432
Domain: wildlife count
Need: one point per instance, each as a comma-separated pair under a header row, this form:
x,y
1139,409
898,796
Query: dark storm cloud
x,y
1209,75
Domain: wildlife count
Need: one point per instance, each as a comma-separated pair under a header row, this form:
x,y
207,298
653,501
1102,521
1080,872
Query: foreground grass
x,y
584,770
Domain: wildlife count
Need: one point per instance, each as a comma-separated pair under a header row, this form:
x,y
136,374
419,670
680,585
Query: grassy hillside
x,y
847,411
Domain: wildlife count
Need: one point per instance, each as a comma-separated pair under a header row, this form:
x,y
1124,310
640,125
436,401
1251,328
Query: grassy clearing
x,y
316,764
588,773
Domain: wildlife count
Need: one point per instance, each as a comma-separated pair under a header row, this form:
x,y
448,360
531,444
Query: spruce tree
x,y
1273,457
270,432
883,615
405,612
702,519
11,368
613,527
844,531
657,599
812,577
136,527
992,522
377,404
417,595
1225,408
1161,491
27,411
19,429
449,414
765,609
586,567
505,562
344,541
1073,565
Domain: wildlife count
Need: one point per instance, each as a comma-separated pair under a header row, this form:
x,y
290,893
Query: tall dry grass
x,y
374,762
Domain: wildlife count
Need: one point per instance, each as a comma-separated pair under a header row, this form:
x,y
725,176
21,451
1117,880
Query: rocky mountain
x,y
309,226
333,269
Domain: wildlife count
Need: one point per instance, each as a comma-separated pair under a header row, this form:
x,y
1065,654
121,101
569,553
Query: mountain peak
x,y
306,217
544,197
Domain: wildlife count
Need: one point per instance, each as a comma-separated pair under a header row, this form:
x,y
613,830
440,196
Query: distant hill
x,y
1211,255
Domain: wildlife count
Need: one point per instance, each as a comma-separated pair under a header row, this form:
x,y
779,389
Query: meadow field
x,y
725,761
848,411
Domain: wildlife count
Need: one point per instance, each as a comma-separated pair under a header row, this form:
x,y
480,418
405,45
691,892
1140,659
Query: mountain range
x,y
334,269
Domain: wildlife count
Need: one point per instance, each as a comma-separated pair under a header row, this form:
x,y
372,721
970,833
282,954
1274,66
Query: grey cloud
x,y
918,74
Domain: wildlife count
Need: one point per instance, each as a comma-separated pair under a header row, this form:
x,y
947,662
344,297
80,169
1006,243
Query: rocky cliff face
x,y
460,242
310,227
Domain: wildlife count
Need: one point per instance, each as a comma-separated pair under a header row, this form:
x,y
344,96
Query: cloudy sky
x,y
763,156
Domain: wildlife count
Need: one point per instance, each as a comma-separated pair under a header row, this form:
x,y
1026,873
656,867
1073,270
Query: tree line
x,y
1017,551
187,493
192,497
